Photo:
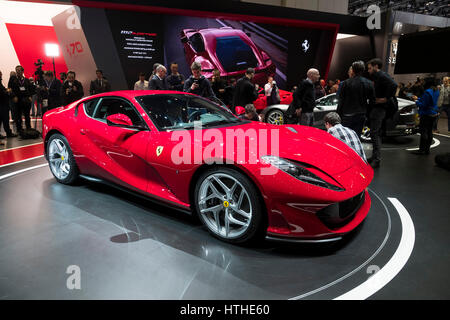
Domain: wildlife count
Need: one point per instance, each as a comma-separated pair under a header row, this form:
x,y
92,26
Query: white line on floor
x,y
20,161
441,135
386,237
436,142
395,264
23,170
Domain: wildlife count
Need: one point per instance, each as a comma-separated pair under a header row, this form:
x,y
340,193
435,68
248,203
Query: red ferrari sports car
x,y
229,50
131,139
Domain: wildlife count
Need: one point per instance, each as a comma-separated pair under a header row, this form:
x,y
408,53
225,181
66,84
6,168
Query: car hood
x,y
303,144
317,148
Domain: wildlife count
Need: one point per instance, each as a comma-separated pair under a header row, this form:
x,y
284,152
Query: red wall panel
x,y
29,41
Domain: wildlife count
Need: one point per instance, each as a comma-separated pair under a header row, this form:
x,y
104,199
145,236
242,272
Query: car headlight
x,y
299,172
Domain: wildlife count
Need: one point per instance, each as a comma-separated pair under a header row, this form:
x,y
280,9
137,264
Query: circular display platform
x,y
129,248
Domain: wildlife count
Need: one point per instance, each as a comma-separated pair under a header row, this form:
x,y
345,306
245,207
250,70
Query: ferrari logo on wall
x,y
159,150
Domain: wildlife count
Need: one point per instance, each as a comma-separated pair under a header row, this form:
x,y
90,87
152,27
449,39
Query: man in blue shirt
x,y
428,111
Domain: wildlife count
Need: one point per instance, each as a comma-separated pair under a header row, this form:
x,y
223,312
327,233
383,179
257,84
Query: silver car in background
x,y
404,122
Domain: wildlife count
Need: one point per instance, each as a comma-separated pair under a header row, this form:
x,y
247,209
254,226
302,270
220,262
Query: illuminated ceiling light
x,y
51,50
344,35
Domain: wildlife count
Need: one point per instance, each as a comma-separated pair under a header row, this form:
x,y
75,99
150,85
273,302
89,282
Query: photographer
x,y
63,76
35,101
50,92
38,83
21,94
197,83
72,89
271,91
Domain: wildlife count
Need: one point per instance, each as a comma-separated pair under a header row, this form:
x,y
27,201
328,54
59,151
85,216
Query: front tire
x,y
229,205
61,161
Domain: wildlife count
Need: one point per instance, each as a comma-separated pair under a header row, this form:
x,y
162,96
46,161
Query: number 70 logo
x,y
74,48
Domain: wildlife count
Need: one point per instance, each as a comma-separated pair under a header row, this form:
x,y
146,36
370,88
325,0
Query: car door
x,y
117,153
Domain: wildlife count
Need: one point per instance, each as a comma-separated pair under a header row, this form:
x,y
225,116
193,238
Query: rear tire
x,y
229,205
61,161
275,116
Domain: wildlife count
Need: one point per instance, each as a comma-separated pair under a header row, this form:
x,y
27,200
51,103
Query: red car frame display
x,y
229,50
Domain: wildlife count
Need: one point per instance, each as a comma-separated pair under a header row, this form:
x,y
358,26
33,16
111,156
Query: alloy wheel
x,y
275,117
58,156
224,205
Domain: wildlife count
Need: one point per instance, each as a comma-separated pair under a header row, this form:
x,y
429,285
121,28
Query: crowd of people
x,y
367,97
28,97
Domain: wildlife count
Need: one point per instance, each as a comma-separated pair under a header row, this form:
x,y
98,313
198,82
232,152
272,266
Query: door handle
x,y
83,131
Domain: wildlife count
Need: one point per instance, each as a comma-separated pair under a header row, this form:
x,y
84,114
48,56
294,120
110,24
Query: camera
x,y
39,73
39,63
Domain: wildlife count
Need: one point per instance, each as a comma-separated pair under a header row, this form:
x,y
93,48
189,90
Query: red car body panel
x,y
129,159
261,103
209,60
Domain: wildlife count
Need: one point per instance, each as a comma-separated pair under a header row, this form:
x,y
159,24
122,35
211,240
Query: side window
x,y
89,106
109,107
197,42
328,101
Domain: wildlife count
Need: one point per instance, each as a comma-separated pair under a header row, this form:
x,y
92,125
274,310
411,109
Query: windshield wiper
x,y
218,122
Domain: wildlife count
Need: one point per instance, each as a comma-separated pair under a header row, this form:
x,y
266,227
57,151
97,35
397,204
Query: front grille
x,y
339,214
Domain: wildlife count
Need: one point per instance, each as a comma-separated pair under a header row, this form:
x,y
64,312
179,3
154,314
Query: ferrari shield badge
x,y
159,150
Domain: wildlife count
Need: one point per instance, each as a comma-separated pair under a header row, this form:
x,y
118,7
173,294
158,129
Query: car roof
x,y
221,31
213,33
130,94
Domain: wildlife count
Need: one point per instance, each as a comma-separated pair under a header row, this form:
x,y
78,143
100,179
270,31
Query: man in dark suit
x,y
356,95
385,89
158,80
51,92
4,110
22,90
72,90
176,80
301,109
100,84
246,92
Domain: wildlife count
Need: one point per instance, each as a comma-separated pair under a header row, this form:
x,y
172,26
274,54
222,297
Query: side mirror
x,y
184,40
119,119
122,120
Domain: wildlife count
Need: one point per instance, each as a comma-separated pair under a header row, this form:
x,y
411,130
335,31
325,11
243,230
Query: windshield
x,y
178,111
330,100
234,54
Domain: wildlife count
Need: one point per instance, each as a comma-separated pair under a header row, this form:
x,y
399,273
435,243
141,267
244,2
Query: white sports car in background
x,y
403,122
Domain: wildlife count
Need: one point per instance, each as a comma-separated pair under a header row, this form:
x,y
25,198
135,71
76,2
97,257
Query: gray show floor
x,y
129,248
